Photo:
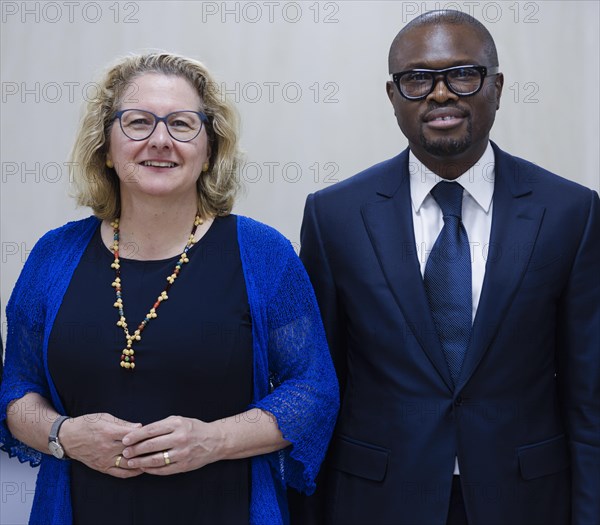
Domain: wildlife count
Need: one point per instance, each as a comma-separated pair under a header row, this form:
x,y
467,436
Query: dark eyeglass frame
x,y
483,71
203,120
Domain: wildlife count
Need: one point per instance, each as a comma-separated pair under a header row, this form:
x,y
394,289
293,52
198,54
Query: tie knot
x,y
448,195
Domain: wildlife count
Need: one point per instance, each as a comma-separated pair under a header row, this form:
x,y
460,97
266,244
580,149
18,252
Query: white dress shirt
x,y
428,221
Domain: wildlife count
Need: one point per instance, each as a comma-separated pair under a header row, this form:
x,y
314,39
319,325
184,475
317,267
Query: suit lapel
x,y
515,224
389,224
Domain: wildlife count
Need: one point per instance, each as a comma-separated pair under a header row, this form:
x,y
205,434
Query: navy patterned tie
x,y
448,278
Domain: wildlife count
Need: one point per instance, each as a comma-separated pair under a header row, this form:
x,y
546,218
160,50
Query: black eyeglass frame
x,y
483,71
203,119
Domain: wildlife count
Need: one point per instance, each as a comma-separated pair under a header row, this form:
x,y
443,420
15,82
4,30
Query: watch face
x,y
56,450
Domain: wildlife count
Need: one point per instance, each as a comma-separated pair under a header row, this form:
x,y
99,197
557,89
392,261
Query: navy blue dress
x,y
194,360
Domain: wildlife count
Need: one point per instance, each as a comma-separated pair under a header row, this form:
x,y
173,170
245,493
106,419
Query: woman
x,y
164,335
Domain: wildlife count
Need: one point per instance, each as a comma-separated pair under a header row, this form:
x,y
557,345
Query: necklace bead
x,y
127,355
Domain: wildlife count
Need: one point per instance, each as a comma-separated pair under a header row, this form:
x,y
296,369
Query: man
x,y
470,387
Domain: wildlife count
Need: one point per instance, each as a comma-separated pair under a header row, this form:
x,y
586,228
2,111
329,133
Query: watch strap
x,y
55,428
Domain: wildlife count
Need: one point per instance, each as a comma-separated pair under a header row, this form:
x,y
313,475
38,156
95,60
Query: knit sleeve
x,y
24,367
30,312
304,397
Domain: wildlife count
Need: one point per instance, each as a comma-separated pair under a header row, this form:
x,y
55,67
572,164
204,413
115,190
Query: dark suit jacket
x,y
524,417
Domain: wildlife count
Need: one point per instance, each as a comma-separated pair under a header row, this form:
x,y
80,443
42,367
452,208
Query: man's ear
x,y
498,84
389,87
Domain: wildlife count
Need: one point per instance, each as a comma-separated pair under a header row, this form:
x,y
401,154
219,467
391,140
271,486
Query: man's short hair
x,y
449,17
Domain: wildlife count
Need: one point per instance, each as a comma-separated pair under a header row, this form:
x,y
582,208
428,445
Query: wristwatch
x,y
54,445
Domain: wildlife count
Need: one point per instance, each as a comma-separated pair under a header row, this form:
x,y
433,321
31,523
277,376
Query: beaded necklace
x,y
127,355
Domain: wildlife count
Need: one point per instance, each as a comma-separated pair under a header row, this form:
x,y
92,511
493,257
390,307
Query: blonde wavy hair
x,y
97,186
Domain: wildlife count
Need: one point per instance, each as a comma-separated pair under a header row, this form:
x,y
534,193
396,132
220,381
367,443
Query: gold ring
x,y
166,456
118,461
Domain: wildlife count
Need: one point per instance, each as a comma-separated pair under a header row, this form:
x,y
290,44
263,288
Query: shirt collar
x,y
478,181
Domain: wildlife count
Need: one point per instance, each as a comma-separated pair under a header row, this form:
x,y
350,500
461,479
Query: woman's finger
x,y
158,428
149,446
120,469
158,460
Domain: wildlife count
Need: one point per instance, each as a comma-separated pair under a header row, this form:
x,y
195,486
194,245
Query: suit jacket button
x,y
458,401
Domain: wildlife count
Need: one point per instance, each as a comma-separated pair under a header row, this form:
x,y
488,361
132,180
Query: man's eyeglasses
x,y
138,124
416,84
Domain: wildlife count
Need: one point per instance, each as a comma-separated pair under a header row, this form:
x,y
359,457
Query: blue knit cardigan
x,y
294,378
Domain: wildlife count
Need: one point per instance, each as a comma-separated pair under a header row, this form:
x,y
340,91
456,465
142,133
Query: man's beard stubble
x,y
447,147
